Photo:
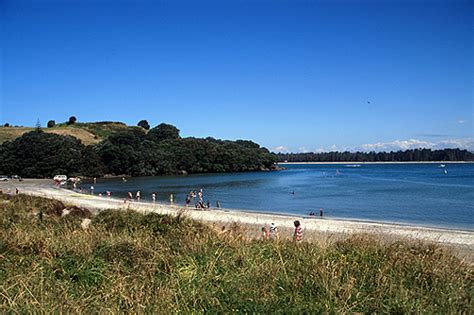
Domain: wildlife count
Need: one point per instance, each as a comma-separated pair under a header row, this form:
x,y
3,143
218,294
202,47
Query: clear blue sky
x,y
290,75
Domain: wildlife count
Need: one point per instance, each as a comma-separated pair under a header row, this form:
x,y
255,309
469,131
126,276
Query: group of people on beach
x,y
199,204
272,233
313,214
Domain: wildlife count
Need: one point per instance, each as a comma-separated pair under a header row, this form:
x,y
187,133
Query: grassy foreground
x,y
126,261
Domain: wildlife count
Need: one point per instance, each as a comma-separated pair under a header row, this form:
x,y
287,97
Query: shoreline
x,y
388,162
314,226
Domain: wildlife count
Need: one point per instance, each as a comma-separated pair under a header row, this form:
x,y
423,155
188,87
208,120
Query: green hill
x,y
88,133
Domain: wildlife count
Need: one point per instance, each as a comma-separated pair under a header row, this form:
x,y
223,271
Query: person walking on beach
x,y
138,195
298,235
273,233
92,190
265,234
218,204
130,196
153,197
171,198
321,212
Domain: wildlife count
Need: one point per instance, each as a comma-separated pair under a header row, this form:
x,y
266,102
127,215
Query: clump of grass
x,y
130,262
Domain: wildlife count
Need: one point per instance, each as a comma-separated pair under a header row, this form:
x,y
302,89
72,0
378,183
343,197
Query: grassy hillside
x,y
88,133
129,262
101,129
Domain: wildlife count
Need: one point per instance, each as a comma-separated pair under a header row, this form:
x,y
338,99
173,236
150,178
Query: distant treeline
x,y
399,156
134,152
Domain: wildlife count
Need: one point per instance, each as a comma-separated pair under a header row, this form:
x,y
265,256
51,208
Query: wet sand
x,y
321,230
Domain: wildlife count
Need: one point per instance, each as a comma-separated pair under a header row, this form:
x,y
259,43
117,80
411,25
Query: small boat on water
x,y
352,165
442,165
445,172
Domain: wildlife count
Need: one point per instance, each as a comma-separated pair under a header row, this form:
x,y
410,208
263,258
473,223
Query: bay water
x,y
419,194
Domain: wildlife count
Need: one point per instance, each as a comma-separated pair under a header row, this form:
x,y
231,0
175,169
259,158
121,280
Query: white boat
x,y
442,165
352,165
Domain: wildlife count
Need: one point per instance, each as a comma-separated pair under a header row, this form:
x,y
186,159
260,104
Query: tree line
x,y
399,156
132,151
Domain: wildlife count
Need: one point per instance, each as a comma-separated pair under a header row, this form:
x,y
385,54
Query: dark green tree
x,y
51,123
144,124
163,132
72,120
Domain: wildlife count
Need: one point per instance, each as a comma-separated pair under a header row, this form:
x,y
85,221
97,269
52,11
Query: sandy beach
x,y
315,228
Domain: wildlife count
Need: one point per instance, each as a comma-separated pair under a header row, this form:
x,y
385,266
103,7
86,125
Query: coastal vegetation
x,y
399,156
38,154
131,262
128,151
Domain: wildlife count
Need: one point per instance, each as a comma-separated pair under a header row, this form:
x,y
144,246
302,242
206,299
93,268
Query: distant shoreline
x,y
394,162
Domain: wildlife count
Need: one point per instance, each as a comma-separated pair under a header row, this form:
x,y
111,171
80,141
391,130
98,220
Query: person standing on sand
x,y
273,233
153,197
298,235
321,212
265,234
218,204
171,198
92,190
130,196
138,195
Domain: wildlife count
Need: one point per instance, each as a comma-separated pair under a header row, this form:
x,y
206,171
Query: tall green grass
x,y
130,262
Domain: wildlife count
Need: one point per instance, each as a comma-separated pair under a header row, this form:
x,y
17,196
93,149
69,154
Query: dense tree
x,y
132,152
144,124
6,125
399,156
72,120
40,154
163,132
51,123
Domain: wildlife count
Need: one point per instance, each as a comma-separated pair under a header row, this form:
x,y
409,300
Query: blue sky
x,y
290,75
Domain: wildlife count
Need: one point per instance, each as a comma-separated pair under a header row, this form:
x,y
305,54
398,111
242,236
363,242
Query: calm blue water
x,y
404,193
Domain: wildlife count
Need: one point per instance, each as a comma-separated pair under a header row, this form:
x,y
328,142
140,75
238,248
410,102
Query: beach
x,y
316,228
